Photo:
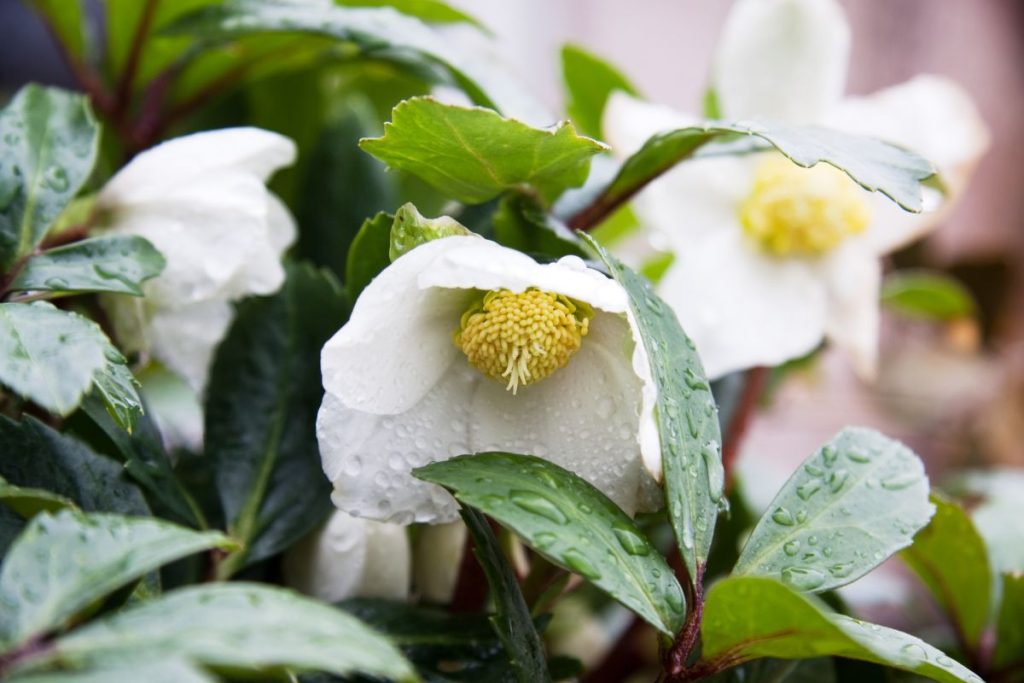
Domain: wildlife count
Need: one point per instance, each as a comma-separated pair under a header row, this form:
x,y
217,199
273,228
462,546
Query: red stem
x,y
471,586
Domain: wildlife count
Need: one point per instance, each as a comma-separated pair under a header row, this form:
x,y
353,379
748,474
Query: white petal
x,y
932,116
854,277
262,272
174,407
782,59
408,313
369,458
742,307
198,158
185,338
351,557
583,417
438,559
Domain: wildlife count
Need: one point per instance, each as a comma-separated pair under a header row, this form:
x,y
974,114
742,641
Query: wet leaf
x,y
930,295
119,263
848,507
589,82
28,502
166,671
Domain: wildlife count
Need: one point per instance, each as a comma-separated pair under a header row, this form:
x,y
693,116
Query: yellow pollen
x,y
802,211
519,339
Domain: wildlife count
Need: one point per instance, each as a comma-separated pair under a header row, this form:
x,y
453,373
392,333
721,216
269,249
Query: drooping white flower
x,y
461,346
202,201
350,557
770,257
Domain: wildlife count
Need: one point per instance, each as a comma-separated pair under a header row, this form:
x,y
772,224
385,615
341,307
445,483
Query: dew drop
x,y
857,455
901,481
837,479
802,578
801,516
538,505
829,454
56,178
674,597
791,548
808,489
579,563
914,650
841,570
813,470
783,516
632,542
544,540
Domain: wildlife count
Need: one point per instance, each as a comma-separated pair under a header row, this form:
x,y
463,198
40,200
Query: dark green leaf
x,y
522,224
29,502
119,263
117,387
369,253
265,391
875,165
48,143
571,523
747,618
166,671
589,82
1009,650
474,154
962,587
855,502
512,616
49,356
64,562
379,31
342,186
924,294
443,646
244,627
147,463
690,437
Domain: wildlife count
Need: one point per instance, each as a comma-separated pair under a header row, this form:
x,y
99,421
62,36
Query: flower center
x,y
522,338
802,211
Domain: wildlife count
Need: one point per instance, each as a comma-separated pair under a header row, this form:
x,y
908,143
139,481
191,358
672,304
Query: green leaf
x,y
434,11
49,356
474,154
167,671
442,645
265,391
369,253
962,588
48,144
930,295
571,523
411,229
817,670
28,502
855,502
1009,649
117,388
37,457
119,263
748,618
64,18
146,462
874,165
380,32
688,430
522,224
64,562
238,626
589,82
511,620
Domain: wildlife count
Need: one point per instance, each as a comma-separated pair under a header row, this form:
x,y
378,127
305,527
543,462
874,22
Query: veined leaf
x,y
589,82
962,587
474,154
512,616
571,523
64,562
874,165
688,430
261,415
117,263
241,626
747,618
855,502
48,143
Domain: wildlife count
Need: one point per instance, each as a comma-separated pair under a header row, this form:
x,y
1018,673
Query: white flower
x,y
770,257
351,557
202,201
434,363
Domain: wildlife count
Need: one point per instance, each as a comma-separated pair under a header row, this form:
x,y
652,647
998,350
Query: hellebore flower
x,y
771,257
461,346
202,201
351,557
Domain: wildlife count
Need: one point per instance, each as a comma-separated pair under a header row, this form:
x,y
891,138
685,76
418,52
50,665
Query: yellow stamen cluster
x,y
522,338
802,211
